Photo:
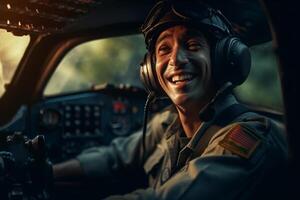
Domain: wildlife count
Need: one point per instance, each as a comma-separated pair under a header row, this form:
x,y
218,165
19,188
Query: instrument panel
x,y
74,122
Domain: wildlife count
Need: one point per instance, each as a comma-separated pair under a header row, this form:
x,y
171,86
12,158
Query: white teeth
x,y
182,77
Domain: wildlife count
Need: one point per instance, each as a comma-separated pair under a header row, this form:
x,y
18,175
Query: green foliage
x,y
263,84
114,60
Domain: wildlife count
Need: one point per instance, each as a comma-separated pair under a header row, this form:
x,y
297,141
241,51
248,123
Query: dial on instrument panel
x,y
120,123
49,118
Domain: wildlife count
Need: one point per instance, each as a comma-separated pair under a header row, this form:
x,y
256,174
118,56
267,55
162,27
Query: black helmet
x,y
168,13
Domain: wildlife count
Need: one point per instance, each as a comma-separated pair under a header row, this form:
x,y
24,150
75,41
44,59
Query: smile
x,y
182,78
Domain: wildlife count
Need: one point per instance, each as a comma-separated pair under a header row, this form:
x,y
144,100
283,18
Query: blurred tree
x,y
263,84
114,60
12,49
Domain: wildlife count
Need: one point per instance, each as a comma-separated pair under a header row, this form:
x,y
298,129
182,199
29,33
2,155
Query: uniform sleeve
x,y
124,155
103,162
220,174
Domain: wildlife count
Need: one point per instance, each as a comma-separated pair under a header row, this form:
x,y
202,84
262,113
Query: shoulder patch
x,y
241,141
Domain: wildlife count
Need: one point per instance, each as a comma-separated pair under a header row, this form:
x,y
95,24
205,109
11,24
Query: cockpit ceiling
x,y
23,17
43,16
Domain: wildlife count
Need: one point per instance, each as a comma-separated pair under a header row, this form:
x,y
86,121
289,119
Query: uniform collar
x,y
219,106
175,124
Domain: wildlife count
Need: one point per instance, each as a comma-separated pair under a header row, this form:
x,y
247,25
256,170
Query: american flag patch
x,y
241,141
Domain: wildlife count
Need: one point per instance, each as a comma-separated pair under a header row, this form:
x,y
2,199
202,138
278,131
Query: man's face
x,y
183,65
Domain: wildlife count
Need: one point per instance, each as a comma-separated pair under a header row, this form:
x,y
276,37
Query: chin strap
x,y
150,99
207,113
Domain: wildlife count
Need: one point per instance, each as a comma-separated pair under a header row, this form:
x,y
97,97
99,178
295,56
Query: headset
x,y
231,58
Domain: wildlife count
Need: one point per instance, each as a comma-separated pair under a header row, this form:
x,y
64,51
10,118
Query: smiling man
x,y
183,68
206,145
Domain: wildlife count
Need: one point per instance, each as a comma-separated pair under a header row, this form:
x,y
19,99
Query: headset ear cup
x,y
231,61
239,60
148,76
218,58
144,74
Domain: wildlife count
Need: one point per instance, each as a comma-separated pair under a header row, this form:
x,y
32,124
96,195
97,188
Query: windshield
x,y
12,49
116,61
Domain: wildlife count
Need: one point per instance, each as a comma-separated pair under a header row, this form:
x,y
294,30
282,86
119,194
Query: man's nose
x,y
178,57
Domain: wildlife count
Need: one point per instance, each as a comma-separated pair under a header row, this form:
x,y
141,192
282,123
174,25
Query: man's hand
x,y
68,171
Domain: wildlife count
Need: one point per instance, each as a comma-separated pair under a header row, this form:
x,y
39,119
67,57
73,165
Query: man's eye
x,y
163,49
194,46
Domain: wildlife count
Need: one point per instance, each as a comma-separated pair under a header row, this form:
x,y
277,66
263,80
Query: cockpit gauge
x,y
120,125
49,118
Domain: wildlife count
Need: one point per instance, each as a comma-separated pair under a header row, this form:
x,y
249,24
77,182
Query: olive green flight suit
x,y
206,166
